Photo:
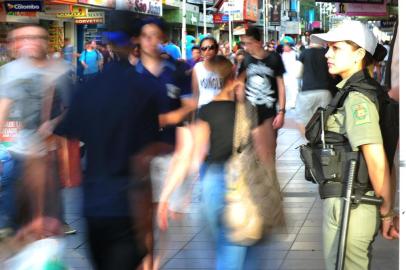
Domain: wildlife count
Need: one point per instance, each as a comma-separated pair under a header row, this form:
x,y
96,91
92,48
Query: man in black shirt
x,y
264,87
317,84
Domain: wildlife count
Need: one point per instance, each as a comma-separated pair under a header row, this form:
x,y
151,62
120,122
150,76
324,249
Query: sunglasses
x,y
211,47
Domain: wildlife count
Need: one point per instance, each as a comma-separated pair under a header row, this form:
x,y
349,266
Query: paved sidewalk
x,y
188,244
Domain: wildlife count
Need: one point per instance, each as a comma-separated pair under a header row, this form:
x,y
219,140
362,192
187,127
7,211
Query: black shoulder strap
x,y
335,103
339,98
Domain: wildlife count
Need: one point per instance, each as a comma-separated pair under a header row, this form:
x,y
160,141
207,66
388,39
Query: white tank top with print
x,y
210,84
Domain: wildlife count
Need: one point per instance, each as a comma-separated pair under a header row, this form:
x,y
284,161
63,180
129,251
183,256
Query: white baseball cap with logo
x,y
354,31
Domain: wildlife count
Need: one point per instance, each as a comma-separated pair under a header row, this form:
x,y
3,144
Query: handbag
x,y
253,199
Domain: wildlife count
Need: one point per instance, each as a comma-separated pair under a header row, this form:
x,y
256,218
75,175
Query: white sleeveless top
x,y
210,84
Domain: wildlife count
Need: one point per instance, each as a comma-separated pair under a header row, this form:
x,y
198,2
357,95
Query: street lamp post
x,y
184,29
204,17
230,28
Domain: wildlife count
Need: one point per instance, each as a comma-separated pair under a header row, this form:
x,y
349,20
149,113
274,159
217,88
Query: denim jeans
x,y
228,255
11,167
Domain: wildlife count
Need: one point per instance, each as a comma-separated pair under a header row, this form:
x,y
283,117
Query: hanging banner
x,y
275,13
23,6
372,10
251,10
100,3
235,8
76,12
151,7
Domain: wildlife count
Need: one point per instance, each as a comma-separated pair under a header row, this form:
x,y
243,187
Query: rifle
x,y
349,200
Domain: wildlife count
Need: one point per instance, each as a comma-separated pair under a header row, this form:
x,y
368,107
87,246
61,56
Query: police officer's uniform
x,y
358,121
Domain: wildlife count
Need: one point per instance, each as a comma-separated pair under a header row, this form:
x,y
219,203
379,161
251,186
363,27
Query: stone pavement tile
x,y
273,246
309,237
312,222
301,264
75,240
190,264
303,205
77,263
202,245
304,255
269,264
79,225
175,237
195,254
385,264
187,229
311,230
172,245
299,199
265,254
313,245
294,222
295,216
287,230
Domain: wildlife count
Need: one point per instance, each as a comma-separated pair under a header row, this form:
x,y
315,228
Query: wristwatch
x,y
282,110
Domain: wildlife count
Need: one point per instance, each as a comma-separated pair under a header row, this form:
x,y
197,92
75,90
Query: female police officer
x,y
351,49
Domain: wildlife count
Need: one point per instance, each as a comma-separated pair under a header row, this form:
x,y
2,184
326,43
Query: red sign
x,y
219,18
10,131
251,10
90,21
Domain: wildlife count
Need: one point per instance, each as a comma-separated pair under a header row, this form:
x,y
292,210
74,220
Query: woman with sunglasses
x,y
205,83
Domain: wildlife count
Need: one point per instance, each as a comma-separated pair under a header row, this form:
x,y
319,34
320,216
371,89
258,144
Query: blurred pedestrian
x,y
172,88
91,60
317,84
171,49
212,140
205,83
291,74
264,87
116,116
33,94
196,57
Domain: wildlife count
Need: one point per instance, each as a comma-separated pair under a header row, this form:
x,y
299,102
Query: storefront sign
x,y
172,3
175,15
76,12
54,9
100,3
61,2
235,8
387,23
200,2
90,21
209,18
363,10
354,1
23,6
151,7
290,27
251,10
219,18
275,13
